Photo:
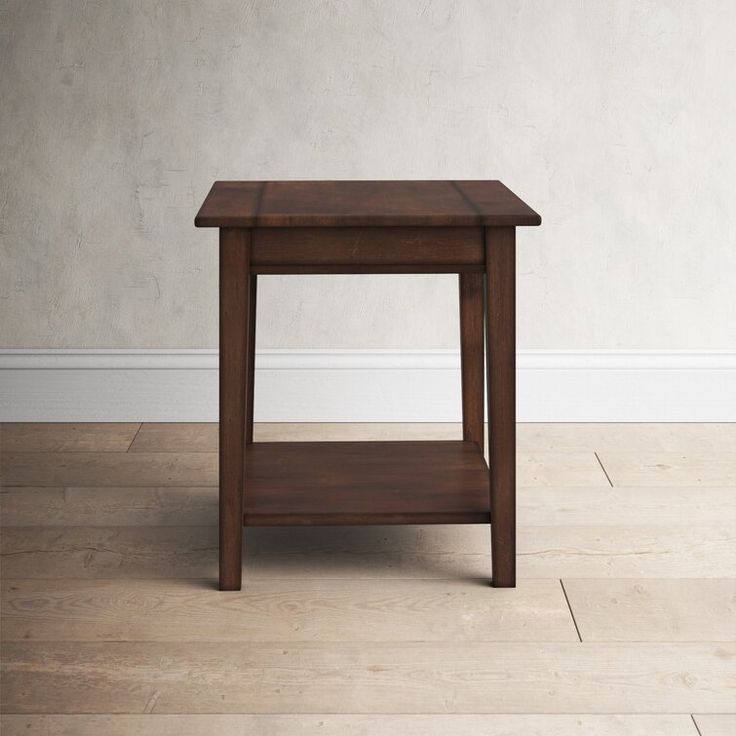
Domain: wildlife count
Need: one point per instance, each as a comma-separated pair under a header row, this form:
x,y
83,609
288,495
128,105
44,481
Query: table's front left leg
x,y
501,366
234,306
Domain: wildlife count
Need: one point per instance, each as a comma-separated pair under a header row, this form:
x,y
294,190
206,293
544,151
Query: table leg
x,y
501,366
471,356
251,377
234,307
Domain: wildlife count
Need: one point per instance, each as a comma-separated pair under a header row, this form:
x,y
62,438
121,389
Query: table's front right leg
x,y
234,305
501,367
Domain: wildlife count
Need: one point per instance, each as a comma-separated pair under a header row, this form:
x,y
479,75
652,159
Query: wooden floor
x,y
623,623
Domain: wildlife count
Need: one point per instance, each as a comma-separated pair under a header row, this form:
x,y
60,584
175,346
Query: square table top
x,y
363,204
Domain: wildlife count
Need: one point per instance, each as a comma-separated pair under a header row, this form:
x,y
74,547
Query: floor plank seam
x,y
569,607
695,723
135,436
605,472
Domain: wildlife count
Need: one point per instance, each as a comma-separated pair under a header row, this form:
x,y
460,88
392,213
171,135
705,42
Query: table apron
x,y
367,250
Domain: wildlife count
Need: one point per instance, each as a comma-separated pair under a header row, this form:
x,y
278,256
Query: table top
x,y
363,204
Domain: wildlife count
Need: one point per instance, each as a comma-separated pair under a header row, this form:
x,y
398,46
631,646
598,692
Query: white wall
x,y
613,119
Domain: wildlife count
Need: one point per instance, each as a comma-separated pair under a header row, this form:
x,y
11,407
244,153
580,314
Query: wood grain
x,y
108,506
667,468
716,724
67,437
472,356
650,437
362,204
250,373
654,610
559,469
283,610
666,506
325,724
434,677
531,438
177,437
612,551
321,483
496,205
388,619
354,246
500,282
365,268
537,506
231,203
235,283
203,437
201,469
109,552
109,468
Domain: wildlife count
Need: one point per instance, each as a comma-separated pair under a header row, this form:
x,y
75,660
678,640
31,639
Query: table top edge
x,y
489,204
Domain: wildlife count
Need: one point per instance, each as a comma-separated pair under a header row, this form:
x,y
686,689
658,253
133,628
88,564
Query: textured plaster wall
x,y
615,120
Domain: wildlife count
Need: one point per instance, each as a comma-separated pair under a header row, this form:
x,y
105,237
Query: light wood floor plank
x,y
111,468
108,506
716,725
230,677
204,437
559,469
67,437
531,438
370,552
654,610
201,469
176,437
284,610
540,506
351,725
647,437
670,469
109,552
667,506
628,551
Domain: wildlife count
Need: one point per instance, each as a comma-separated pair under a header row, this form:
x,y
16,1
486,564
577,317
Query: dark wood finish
x,y
321,483
384,246
251,372
464,227
230,204
497,205
501,366
363,204
471,355
328,268
234,304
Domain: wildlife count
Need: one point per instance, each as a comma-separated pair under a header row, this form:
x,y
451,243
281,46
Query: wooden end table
x,y
326,227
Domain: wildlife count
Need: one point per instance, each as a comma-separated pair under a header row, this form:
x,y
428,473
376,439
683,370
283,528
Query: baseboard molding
x,y
364,386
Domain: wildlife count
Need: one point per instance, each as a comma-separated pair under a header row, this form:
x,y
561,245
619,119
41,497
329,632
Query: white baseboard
x,y
363,386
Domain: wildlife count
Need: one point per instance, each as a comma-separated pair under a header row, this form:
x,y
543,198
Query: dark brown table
x,y
300,227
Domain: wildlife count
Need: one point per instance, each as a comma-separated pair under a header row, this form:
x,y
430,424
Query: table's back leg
x,y
471,355
501,366
251,377
234,307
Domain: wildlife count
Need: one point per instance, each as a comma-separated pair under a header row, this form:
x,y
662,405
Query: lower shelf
x,y
328,483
